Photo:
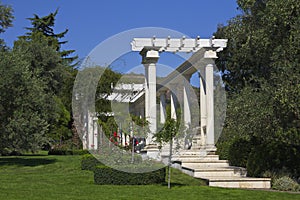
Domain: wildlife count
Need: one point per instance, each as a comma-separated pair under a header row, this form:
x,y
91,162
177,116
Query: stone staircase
x,y
216,172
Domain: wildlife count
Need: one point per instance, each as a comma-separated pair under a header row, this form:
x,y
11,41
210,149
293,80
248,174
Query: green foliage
x,y
286,183
239,151
45,26
168,132
108,77
261,72
60,130
6,17
45,62
276,155
25,107
89,162
104,175
63,151
47,79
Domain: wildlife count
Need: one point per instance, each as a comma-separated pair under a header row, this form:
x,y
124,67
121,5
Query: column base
x,y
153,151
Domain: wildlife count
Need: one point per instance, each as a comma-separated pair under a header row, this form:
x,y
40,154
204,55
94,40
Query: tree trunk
x,y
169,164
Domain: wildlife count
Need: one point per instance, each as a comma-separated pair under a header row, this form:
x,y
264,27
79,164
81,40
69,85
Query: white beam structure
x,y
178,44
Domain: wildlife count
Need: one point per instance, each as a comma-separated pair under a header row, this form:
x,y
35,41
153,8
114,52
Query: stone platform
x,y
216,172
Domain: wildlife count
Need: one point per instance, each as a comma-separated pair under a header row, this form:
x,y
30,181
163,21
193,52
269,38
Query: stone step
x,y
219,172
194,164
239,182
216,172
194,157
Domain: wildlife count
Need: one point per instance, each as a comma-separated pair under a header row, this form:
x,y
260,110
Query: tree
x,y
167,134
45,26
56,69
36,90
261,71
25,108
6,18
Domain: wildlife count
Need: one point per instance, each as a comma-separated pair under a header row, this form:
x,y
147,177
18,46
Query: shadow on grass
x,y
31,162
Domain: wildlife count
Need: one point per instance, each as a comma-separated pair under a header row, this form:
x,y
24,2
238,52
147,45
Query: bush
x,y
89,162
80,152
238,152
286,183
67,152
275,156
104,175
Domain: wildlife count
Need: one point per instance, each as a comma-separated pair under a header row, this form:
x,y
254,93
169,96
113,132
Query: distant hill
x,y
134,78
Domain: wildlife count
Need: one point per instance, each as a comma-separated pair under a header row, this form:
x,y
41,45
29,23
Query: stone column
x,y
95,132
146,95
186,104
173,107
163,114
203,111
150,57
210,137
90,130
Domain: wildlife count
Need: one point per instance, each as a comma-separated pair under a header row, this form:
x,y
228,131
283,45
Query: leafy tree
x,y
57,69
261,72
36,105
167,134
25,107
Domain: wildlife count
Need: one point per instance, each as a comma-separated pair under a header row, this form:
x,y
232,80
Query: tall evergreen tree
x,y
45,25
6,17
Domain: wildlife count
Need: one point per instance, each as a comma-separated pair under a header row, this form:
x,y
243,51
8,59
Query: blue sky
x,y
92,21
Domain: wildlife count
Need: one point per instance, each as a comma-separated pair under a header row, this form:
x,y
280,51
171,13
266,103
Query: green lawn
x,y
60,177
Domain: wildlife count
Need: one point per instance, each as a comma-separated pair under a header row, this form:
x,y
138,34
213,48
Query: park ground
x,y
60,177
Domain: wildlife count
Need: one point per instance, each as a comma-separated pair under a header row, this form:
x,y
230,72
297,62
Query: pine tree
x,y
6,18
45,25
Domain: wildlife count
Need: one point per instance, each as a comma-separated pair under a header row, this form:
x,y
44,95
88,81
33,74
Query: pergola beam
x,y
178,44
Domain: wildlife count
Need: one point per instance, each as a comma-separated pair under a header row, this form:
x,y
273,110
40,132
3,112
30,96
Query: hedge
x,y
104,175
89,162
67,152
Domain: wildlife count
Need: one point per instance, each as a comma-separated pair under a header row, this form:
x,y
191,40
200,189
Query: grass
x,y
60,177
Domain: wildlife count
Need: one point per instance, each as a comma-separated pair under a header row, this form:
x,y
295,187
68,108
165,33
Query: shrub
x,y
104,175
67,152
89,162
238,152
80,152
286,183
258,161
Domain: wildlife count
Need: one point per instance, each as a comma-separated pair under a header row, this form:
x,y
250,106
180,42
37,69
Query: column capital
x,y
149,55
187,76
210,54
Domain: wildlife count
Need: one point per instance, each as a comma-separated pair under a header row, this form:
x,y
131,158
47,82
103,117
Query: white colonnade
x,y
149,49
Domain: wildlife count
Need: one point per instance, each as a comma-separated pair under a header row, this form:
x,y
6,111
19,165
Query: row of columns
x,y
150,57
